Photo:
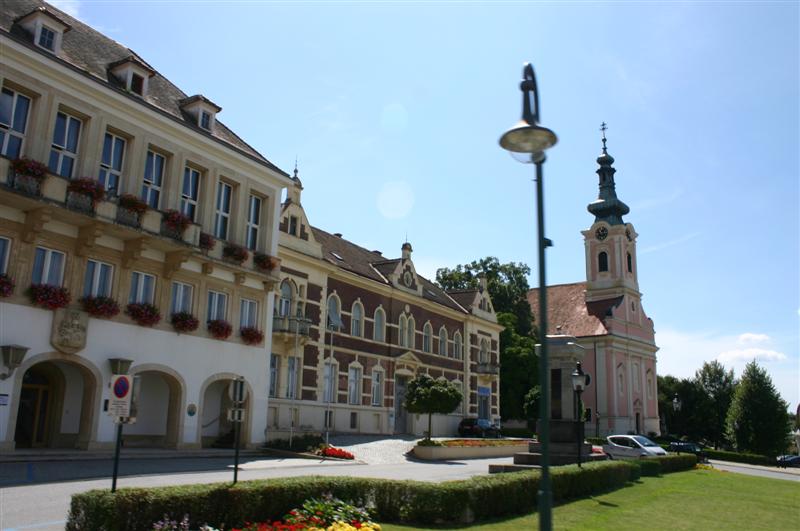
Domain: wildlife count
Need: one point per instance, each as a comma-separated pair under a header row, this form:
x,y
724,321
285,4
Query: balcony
x,y
487,368
290,329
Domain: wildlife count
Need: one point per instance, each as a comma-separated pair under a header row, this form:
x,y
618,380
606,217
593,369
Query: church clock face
x,y
407,279
601,233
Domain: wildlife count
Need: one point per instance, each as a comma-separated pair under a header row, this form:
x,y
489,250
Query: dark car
x,y
472,427
785,461
688,448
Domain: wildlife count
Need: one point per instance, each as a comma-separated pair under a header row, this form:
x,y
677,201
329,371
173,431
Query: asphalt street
x,y
764,472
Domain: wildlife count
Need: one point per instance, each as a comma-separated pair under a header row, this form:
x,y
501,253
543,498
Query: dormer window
x,y
201,111
137,84
47,38
205,120
132,74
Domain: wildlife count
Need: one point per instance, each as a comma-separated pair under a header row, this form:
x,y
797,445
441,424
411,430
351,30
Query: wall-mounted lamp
x,y
12,358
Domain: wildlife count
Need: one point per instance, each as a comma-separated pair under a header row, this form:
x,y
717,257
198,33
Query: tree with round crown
x,y
426,395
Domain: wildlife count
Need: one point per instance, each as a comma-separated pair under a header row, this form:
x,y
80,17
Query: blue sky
x,y
394,111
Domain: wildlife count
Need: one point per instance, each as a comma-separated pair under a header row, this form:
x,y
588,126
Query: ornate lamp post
x,y
527,142
579,382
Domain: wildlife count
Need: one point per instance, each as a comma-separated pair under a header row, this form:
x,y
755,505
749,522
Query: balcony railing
x,y
290,325
487,368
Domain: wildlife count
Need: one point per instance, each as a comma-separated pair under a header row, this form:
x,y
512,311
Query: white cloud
x,y
749,354
749,337
664,245
70,7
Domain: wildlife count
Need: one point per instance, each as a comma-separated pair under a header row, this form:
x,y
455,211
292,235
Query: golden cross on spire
x,y
603,128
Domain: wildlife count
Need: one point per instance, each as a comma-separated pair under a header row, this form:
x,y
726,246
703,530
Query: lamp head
x,y
527,136
579,379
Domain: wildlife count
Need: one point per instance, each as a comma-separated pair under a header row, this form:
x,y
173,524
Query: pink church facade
x,y
602,323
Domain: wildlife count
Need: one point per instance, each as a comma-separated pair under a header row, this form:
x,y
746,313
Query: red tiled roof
x,y
567,309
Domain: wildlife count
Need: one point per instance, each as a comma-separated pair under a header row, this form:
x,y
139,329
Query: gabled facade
x,y
605,318
85,106
352,327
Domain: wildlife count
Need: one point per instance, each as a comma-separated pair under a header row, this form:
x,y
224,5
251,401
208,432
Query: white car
x,y
631,447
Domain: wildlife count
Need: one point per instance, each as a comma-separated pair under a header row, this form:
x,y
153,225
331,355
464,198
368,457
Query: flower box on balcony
x,y
143,313
27,175
6,286
251,335
174,224
184,322
99,306
264,262
48,297
207,242
130,210
84,193
235,253
220,328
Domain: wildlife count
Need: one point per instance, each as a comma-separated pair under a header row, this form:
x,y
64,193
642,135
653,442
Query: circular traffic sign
x,y
121,387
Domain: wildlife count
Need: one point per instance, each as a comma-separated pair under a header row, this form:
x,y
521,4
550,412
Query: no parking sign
x,y
120,403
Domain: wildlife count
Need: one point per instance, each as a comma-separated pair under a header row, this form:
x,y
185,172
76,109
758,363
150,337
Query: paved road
x,y
44,506
764,472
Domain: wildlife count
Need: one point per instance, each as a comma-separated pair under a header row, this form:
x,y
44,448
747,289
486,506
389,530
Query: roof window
x,y
201,110
132,74
337,256
46,28
47,38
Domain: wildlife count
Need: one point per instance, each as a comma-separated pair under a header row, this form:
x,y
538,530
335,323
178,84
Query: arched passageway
x,y
159,401
216,431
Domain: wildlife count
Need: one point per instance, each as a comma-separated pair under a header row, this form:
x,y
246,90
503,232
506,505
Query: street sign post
x,y
121,407
237,392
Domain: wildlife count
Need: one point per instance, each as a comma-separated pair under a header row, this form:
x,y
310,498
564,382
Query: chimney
x,y
337,234
377,252
406,251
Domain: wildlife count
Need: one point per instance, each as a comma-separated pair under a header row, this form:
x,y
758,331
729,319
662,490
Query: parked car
x,y
680,447
472,427
631,447
785,461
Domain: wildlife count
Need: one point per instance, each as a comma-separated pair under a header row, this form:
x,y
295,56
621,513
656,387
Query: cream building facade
x,y
86,106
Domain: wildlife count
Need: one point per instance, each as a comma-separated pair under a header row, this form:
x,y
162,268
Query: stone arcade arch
x,y
160,403
213,427
56,398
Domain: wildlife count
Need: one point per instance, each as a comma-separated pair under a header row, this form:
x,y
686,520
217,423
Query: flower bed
x,y
470,448
251,335
220,328
104,307
48,297
184,322
6,285
332,451
143,313
483,442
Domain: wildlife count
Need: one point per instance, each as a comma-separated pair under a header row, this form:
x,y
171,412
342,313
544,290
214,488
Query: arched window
x,y
379,326
483,356
457,346
412,333
356,319
285,302
334,315
402,331
630,263
602,261
442,341
427,337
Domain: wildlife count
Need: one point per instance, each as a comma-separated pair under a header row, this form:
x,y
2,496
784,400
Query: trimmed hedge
x,y
736,457
479,498
600,441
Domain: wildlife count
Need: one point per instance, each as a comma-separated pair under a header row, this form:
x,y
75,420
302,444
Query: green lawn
x,y
697,499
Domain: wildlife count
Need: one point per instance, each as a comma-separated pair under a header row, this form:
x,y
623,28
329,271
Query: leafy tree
x,y
426,395
508,288
689,421
718,386
532,403
758,420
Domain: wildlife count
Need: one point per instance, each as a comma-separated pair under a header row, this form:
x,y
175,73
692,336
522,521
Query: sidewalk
x,y
790,471
41,455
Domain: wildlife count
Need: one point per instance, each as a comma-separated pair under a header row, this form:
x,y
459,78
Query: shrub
x,y
49,297
737,457
326,511
6,285
220,328
676,463
429,442
264,262
99,306
184,322
132,203
650,467
89,187
306,442
596,440
478,498
482,442
176,220
235,253
143,313
207,241
251,335
29,168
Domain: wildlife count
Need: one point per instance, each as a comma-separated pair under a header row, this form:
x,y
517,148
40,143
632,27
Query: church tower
x,y
610,242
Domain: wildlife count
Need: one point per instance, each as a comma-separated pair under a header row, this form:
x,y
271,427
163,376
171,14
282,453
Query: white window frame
x,y
222,211
177,296
212,311
294,223
47,273
53,41
427,337
62,150
8,129
402,331
377,387
330,382
483,352
458,345
153,187
334,317
354,375
443,344
284,302
92,287
140,296
190,202
274,375
357,324
206,117
4,254
248,313
292,374
253,221
108,167
379,325
411,334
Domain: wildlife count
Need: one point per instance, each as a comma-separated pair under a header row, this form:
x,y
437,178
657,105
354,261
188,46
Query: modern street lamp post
x,y
580,380
527,142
